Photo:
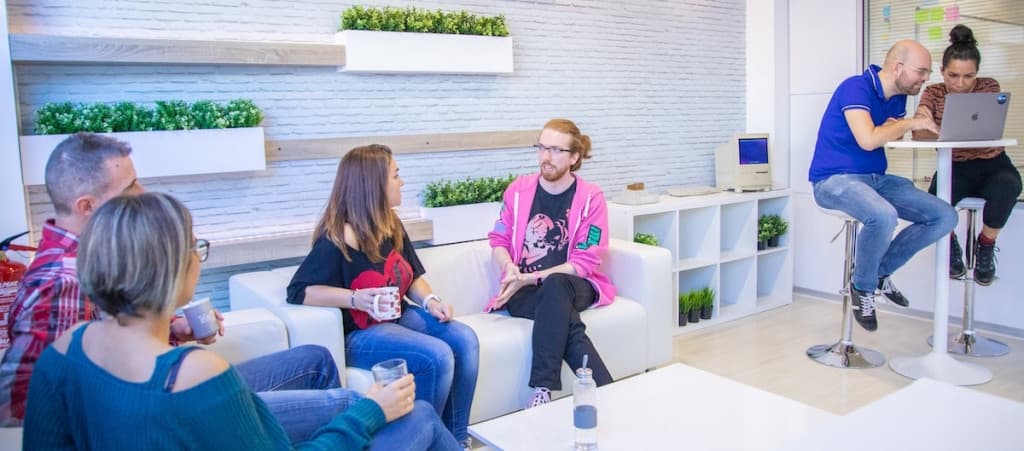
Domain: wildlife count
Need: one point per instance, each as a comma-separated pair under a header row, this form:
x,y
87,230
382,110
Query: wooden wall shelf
x,y
310,149
277,246
39,48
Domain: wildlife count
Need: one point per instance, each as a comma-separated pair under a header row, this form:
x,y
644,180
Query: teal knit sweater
x,y
75,404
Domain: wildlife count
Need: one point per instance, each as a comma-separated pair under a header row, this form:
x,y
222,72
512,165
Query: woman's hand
x,y
396,399
362,298
181,331
440,310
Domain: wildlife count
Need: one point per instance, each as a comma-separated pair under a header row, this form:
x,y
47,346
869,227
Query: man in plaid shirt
x,y
83,172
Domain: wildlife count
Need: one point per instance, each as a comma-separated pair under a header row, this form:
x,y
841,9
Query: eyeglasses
x,y
202,249
554,150
922,71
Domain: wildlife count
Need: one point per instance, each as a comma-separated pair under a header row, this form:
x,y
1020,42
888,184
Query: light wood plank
x,y
243,250
74,49
309,149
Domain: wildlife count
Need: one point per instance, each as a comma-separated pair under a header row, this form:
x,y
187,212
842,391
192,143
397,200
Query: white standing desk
x,y
937,364
926,415
675,407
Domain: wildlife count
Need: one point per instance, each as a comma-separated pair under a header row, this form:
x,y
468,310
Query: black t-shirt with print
x,y
547,231
326,265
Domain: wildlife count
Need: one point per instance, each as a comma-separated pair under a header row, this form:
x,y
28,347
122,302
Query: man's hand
x,y
181,331
924,122
396,399
510,285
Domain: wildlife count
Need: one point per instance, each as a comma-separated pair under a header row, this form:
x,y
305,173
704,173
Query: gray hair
x,y
135,254
77,167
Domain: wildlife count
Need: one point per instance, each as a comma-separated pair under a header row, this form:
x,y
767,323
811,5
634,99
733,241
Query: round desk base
x,y
941,367
973,345
845,355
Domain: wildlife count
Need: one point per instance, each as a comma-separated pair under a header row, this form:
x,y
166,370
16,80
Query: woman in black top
x,y
360,247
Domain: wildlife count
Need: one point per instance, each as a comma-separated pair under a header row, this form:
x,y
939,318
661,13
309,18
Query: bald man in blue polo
x,y
848,174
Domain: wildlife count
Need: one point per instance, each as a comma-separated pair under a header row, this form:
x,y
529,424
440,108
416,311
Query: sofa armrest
x,y
644,274
250,333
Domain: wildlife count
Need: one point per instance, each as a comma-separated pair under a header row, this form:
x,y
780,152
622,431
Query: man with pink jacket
x,y
548,243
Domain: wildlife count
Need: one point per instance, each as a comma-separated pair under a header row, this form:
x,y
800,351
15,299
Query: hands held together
x,y
512,282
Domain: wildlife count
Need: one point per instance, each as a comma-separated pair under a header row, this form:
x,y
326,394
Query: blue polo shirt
x,y
837,151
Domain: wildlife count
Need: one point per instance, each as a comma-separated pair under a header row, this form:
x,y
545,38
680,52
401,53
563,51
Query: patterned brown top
x,y
934,98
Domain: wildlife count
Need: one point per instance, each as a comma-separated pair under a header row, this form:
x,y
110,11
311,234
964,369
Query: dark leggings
x,y
993,179
558,332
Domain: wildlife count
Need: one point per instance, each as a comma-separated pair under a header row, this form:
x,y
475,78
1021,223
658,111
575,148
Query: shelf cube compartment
x,y
738,286
774,279
739,230
662,226
698,237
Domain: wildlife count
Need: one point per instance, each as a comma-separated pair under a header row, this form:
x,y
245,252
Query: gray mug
x,y
201,318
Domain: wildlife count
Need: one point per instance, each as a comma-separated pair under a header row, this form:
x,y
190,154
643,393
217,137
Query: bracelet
x,y
352,300
538,279
430,297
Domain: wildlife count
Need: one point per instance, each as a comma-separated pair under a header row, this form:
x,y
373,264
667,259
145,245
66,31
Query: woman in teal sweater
x,y
117,384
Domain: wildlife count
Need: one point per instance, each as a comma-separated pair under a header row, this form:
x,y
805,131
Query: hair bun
x,y
961,35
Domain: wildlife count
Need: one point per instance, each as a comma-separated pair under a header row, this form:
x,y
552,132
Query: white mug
x,y
390,308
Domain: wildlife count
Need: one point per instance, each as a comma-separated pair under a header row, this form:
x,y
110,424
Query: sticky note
x,y
937,14
921,16
887,10
935,33
952,13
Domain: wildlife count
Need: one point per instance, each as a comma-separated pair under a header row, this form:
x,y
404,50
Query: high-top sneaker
x,y
956,259
864,308
985,263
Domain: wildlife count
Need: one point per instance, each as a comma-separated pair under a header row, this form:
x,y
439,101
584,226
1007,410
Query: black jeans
x,y
994,179
558,332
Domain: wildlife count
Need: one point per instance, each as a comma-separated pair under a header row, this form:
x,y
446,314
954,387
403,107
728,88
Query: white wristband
x,y
430,297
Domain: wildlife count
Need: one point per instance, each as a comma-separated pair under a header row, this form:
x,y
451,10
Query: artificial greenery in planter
x,y
415,20
67,117
769,228
446,193
707,302
463,210
684,307
645,238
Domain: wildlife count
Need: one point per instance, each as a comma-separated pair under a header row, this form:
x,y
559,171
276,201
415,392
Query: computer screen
x,y
753,150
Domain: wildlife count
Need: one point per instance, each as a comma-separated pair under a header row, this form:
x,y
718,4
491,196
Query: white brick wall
x,y
656,84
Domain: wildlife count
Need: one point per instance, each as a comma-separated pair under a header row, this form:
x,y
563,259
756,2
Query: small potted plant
x,y
764,232
707,302
645,238
684,307
463,210
779,227
693,311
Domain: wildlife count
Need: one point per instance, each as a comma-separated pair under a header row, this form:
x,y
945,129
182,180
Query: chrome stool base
x,y
973,345
845,355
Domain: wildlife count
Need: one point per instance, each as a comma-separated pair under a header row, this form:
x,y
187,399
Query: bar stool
x,y
843,353
967,341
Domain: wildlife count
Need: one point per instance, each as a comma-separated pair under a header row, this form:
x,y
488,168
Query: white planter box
x,y
165,153
461,222
395,52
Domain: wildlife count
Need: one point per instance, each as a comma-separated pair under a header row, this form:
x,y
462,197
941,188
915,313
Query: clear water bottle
x,y
584,414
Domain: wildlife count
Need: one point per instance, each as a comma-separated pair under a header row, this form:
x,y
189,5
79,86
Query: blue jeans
x,y
443,357
877,200
301,388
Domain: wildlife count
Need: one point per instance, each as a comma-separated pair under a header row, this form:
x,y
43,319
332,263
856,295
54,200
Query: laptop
x,y
979,116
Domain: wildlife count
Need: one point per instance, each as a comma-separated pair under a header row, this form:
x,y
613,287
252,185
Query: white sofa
x,y
632,334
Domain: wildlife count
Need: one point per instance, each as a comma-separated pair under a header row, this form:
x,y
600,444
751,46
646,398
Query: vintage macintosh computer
x,y
741,164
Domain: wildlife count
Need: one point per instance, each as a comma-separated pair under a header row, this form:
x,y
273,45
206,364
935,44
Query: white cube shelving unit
x,y
713,239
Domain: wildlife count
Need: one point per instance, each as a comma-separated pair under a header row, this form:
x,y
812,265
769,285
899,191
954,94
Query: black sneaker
x,y
864,309
985,263
956,259
888,288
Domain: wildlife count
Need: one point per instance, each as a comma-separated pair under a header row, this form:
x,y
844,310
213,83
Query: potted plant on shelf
x,y
693,311
463,210
779,227
707,302
764,232
412,40
684,307
645,238
173,138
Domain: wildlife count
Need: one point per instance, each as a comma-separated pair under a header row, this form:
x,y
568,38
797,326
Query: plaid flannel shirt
x,y
48,303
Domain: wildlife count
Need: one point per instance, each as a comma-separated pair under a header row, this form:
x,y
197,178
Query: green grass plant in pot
x,y
684,307
693,312
764,232
778,227
707,302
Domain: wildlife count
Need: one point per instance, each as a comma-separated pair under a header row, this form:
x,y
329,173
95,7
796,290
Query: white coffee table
x,y
675,407
926,415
